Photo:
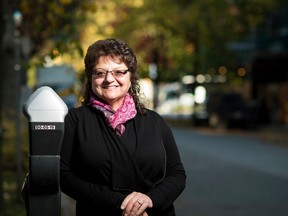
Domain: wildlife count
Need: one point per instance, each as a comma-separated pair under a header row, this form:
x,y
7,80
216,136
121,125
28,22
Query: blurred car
x,y
173,103
227,110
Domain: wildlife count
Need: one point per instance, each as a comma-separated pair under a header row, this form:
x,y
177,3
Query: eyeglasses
x,y
100,73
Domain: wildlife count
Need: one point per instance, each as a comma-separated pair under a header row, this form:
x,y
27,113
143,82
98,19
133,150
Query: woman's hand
x,y
135,204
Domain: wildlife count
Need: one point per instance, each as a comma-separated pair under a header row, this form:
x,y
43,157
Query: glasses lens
x,y
99,73
118,73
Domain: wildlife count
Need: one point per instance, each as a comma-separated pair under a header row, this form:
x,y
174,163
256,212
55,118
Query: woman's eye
x,y
118,72
100,73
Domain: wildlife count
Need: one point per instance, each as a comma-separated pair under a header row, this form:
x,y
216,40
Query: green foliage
x,y
184,37
13,206
58,21
190,36
9,145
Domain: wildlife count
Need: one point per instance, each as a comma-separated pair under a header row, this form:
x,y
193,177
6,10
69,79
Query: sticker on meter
x,y
45,127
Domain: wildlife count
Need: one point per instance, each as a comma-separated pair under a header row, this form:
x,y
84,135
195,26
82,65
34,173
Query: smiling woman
x,y
110,162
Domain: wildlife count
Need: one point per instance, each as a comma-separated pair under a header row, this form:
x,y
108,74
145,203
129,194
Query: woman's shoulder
x,y
152,115
77,109
79,112
153,119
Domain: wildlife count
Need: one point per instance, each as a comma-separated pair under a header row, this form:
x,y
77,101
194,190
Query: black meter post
x,y
45,111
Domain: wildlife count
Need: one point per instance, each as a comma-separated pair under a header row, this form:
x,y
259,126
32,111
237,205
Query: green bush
x,y
13,205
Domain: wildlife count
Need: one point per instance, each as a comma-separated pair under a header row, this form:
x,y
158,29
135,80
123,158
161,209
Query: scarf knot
x,y
116,119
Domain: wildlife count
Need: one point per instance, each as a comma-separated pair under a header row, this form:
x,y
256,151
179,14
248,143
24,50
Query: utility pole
x,y
3,13
17,18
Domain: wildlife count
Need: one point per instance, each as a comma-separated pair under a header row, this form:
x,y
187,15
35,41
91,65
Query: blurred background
x,y
208,63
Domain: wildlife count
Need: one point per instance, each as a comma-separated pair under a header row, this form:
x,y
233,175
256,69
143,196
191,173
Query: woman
x,y
117,157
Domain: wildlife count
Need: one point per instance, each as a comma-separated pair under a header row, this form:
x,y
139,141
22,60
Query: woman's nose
x,y
109,77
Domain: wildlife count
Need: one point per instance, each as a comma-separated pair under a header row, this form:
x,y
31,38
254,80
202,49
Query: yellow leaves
x,y
138,3
65,2
89,6
108,30
133,3
190,48
25,6
55,8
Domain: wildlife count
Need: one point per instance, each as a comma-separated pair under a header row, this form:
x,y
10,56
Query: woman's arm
x,y
167,191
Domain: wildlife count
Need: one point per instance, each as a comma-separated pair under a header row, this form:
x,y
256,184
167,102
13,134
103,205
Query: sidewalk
x,y
67,206
271,134
274,134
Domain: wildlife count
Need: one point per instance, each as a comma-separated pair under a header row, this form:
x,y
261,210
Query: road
x,y
228,174
231,175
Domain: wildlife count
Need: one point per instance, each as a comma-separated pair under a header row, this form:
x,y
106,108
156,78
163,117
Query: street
x,y
231,175
227,175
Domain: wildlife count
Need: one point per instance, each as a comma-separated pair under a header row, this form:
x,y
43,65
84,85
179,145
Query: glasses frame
x,y
116,73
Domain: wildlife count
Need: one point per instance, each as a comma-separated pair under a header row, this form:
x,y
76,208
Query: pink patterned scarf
x,y
116,119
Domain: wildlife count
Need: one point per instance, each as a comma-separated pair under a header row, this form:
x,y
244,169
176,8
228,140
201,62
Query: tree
x,y
6,8
56,21
191,35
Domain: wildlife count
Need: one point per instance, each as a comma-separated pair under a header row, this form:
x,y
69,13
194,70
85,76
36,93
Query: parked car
x,y
227,110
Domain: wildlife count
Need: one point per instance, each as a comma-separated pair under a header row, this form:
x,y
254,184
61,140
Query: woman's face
x,y
110,88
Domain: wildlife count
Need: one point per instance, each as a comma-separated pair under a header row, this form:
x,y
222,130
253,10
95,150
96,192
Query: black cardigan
x,y
99,168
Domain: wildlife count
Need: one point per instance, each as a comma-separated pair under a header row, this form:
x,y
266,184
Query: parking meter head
x,y
45,105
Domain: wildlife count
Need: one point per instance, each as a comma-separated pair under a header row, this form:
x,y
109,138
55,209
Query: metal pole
x,y
3,13
17,69
1,166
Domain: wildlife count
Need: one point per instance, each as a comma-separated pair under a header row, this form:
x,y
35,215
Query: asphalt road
x,y
228,174
232,175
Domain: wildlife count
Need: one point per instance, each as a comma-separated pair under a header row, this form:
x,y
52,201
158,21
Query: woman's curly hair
x,y
118,50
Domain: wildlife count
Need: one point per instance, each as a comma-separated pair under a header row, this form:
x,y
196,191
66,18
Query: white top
x,y
45,105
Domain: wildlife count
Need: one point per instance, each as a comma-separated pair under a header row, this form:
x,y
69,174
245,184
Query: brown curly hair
x,y
114,48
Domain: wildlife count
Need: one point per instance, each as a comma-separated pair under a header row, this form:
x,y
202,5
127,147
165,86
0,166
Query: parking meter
x,y
45,111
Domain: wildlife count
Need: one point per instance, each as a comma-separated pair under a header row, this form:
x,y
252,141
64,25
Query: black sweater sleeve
x,y
167,191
